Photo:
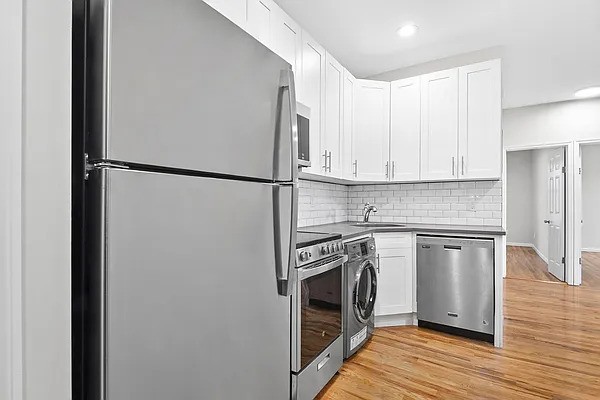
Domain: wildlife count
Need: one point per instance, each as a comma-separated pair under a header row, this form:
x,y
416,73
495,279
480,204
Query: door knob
x,y
546,221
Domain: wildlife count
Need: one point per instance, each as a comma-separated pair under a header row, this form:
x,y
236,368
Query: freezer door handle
x,y
285,220
286,84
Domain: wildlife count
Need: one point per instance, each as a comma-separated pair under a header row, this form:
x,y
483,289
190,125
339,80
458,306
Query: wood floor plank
x,y
591,270
524,263
552,351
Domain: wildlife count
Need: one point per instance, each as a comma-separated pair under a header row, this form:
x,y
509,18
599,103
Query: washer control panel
x,y
360,248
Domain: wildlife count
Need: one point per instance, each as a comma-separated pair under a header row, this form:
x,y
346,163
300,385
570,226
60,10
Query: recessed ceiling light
x,y
588,92
407,30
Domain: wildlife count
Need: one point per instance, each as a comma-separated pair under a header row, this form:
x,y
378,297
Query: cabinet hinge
x,y
564,170
580,261
563,260
579,171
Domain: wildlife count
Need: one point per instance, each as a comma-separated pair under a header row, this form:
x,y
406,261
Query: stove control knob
x,y
303,256
372,246
324,250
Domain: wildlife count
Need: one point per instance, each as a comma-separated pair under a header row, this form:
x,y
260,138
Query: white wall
x,y
552,123
11,47
591,197
519,197
46,200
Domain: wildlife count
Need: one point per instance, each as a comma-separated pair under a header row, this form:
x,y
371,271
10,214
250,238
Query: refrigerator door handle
x,y
285,220
287,83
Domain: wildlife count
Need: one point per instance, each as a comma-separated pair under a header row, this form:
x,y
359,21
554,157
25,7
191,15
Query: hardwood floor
x,y
552,351
591,270
524,263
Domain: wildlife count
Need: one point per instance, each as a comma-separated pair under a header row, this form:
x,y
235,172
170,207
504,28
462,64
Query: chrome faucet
x,y
367,209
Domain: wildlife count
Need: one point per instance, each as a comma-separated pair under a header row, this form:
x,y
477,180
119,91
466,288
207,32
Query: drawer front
x,y
393,240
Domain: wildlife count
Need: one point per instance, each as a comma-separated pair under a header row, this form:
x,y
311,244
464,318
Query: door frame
x,y
578,196
11,126
571,261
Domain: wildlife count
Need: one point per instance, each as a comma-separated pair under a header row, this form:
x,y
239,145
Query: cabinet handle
x,y
377,263
355,163
329,162
393,169
463,164
325,156
387,170
452,166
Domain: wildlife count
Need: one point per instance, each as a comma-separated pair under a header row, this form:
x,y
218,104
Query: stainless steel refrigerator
x,y
190,206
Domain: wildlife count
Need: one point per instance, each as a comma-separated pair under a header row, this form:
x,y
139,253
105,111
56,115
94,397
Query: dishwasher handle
x,y
451,247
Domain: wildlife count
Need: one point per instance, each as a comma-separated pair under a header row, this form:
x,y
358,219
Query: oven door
x,y
316,310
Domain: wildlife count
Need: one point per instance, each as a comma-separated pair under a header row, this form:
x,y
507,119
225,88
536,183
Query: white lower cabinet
x,y
395,280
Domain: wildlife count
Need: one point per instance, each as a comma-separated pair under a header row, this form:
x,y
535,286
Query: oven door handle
x,y
304,273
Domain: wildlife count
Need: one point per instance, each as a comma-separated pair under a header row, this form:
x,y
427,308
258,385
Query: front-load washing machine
x,y
360,292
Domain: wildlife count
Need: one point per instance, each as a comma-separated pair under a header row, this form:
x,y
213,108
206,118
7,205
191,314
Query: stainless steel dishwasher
x,y
455,285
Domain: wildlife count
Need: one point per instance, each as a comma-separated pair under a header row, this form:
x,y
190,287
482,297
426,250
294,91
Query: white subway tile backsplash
x,y
459,203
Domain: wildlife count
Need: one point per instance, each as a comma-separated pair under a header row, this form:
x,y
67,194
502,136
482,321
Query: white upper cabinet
x,y
405,129
439,125
479,122
259,23
331,139
286,38
235,10
372,130
348,125
313,96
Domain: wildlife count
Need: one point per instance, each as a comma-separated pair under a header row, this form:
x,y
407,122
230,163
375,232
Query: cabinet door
x,y
286,38
313,96
479,122
260,16
348,126
394,282
405,129
331,140
372,133
235,10
439,125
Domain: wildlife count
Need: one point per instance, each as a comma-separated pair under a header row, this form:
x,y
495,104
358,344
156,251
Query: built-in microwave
x,y
303,135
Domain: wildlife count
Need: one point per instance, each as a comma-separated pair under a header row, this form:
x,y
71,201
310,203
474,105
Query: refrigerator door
x,y
192,309
176,84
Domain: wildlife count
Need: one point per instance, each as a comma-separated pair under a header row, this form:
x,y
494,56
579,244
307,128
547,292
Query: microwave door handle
x,y
287,84
285,221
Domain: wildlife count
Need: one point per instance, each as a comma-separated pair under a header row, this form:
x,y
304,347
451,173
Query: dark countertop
x,y
348,231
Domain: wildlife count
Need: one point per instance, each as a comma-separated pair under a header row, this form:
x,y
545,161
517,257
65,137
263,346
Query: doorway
x,y
536,205
589,214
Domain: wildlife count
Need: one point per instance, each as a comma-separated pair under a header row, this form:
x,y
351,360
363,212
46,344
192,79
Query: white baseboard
x,y
591,250
519,244
539,253
396,320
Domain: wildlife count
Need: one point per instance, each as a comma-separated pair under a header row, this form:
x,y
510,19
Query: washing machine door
x,y
365,291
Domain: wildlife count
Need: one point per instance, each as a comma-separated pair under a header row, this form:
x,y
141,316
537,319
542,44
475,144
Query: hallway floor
x,y
525,263
552,351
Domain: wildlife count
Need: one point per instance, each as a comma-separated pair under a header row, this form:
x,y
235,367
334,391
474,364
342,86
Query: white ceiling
x,y
550,48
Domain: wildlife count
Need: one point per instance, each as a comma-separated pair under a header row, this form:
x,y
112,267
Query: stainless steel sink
x,y
379,224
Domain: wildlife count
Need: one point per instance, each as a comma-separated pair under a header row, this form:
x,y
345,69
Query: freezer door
x,y
176,84
191,290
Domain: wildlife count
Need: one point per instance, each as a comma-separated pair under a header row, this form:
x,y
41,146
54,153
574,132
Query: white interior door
x,y
556,218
